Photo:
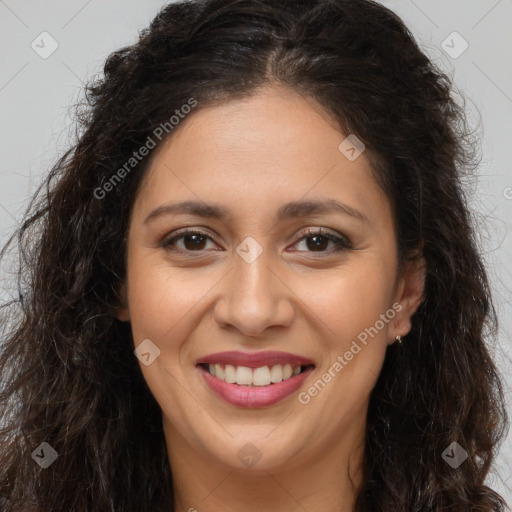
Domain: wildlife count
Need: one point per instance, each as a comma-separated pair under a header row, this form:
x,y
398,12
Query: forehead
x,y
273,147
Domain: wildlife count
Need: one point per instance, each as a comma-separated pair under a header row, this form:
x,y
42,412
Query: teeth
x,y
246,376
276,374
229,374
261,376
219,372
287,371
243,375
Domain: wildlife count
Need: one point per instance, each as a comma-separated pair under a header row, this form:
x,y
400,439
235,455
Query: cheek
x,y
351,306
163,305
354,336
350,299
160,298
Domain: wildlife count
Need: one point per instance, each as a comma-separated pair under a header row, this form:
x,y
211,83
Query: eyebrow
x,y
289,210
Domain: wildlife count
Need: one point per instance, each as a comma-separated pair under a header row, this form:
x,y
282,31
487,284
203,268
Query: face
x,y
286,251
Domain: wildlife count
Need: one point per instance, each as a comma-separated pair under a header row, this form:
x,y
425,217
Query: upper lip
x,y
255,359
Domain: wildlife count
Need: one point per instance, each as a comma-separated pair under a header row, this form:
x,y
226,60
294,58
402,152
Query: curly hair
x,y
68,373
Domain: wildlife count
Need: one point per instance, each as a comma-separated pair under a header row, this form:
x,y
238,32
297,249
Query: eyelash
x,y
341,242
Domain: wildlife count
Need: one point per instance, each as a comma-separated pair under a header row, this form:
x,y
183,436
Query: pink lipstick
x,y
252,395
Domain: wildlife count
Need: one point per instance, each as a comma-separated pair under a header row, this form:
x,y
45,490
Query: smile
x,y
254,379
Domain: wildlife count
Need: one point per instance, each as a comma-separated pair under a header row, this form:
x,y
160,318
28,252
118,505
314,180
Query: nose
x,y
254,297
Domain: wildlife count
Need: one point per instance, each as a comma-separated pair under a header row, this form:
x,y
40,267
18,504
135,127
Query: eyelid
x,y
186,231
323,232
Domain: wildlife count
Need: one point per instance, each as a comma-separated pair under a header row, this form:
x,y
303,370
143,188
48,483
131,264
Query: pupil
x,y
319,245
197,241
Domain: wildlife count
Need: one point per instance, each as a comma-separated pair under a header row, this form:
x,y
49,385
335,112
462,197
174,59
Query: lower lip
x,y
254,396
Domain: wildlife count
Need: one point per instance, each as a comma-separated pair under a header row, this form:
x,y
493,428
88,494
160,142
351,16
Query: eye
x,y
196,241
192,241
321,239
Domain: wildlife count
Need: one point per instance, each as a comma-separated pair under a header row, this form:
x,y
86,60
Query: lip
x,y
255,396
254,359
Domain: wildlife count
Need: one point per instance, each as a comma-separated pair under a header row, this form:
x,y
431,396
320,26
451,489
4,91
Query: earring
x,y
399,339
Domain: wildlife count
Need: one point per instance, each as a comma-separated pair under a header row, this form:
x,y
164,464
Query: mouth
x,y
254,380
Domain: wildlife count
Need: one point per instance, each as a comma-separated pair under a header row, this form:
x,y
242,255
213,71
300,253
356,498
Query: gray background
x,y
36,123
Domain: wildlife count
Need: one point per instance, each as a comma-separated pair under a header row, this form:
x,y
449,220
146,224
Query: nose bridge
x,y
254,298
252,281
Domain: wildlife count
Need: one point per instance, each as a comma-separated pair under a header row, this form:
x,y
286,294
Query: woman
x,y
253,284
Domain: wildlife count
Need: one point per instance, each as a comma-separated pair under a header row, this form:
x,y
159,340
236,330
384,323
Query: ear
x,y
409,294
122,313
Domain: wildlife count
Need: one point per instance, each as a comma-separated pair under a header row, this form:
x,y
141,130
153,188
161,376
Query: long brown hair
x,y
68,373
